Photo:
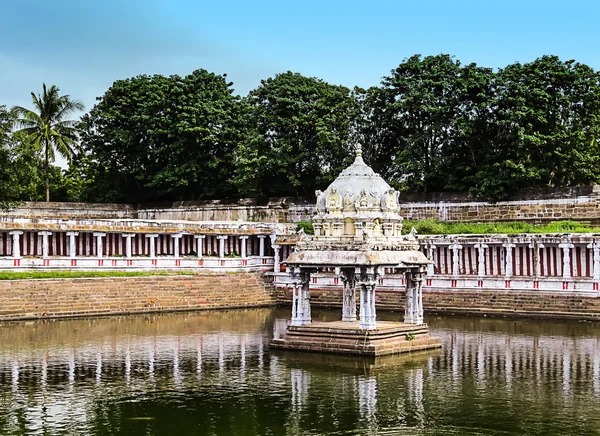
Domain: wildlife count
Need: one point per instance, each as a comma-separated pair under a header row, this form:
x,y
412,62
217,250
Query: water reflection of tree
x,y
493,376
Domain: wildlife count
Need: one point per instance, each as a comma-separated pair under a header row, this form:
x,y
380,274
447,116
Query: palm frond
x,y
64,146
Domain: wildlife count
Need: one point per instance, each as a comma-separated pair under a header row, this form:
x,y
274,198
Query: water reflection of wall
x,y
539,359
62,383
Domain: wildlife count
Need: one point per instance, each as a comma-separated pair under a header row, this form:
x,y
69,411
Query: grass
x,y
24,275
433,227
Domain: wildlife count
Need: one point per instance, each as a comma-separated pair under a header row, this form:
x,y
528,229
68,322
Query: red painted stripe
x,y
588,262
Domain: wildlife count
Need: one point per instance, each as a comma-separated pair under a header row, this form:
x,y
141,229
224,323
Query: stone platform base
x,y
347,338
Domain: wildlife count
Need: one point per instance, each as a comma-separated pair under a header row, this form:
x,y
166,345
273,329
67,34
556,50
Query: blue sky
x,y
83,46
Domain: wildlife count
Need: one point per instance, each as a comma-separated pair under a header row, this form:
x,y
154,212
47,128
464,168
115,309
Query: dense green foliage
x,y
300,136
433,124
162,138
432,227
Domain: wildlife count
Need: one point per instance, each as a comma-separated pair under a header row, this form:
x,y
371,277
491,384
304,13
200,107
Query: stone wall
x,y
470,302
536,205
56,298
273,210
586,209
33,209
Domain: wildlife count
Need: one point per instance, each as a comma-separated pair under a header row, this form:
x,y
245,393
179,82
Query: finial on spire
x,y
358,149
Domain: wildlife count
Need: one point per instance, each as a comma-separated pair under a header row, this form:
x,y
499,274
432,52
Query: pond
x,y
213,373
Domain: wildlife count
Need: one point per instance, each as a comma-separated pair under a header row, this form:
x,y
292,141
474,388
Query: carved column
x,y
222,239
431,256
413,311
276,259
566,269
366,283
16,245
152,243
480,246
128,247
99,245
595,246
409,311
45,245
199,245
72,248
349,299
455,247
176,238
508,260
418,301
358,230
244,250
301,297
537,256
261,246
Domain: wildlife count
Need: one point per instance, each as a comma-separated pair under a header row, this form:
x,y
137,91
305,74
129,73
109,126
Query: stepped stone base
x,y
347,338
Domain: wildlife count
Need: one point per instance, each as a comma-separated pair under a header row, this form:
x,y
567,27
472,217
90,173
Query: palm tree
x,y
46,128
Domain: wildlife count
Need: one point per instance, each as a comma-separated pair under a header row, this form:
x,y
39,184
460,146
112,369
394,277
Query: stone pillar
x,y
431,256
508,260
480,246
301,297
176,238
366,283
409,306
455,247
45,245
199,245
276,260
222,239
349,297
72,248
99,236
244,250
537,247
16,246
358,230
388,229
595,246
317,229
261,246
417,279
152,242
128,249
566,246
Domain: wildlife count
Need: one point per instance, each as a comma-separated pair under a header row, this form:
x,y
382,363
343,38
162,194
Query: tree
x,y
300,136
546,123
47,129
162,138
420,127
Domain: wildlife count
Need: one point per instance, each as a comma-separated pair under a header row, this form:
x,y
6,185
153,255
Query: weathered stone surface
x,y
347,338
56,298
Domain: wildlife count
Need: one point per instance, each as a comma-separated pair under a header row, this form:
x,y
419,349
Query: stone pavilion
x,y
358,236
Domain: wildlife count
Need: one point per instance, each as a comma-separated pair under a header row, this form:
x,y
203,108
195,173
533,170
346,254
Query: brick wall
x,y
52,298
467,302
535,205
585,209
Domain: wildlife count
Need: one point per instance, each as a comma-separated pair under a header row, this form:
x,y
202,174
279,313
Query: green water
x,y
213,373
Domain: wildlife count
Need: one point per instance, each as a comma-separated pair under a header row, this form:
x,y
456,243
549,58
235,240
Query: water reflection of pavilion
x,y
62,381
